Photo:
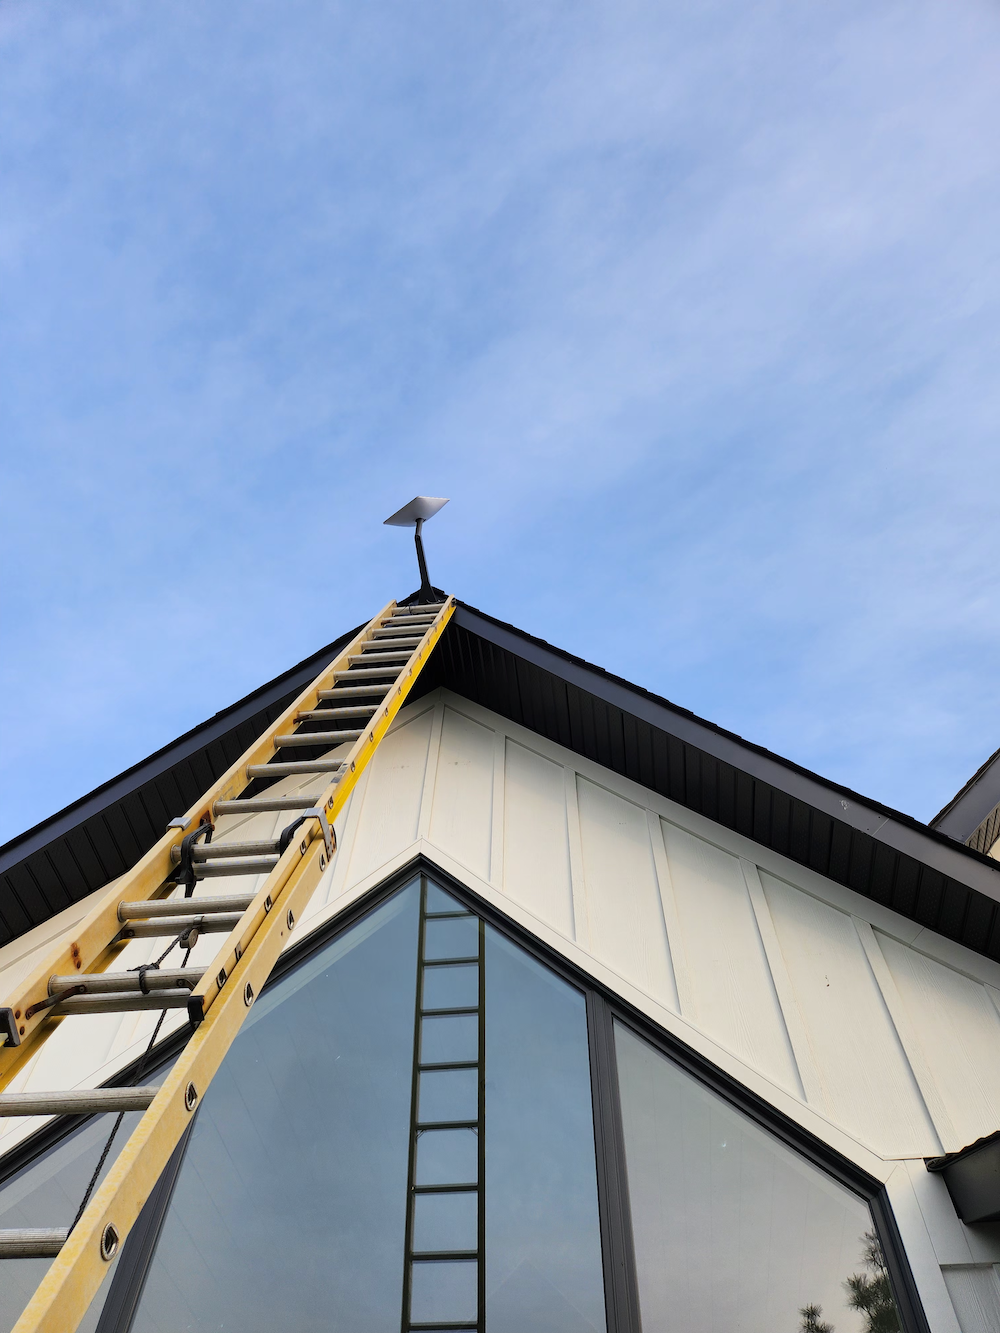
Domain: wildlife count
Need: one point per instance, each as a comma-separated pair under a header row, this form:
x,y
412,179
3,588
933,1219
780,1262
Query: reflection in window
x,y
543,1244
732,1229
290,1210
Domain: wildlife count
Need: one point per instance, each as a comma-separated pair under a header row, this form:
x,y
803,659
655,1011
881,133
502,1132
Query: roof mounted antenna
x,y
420,508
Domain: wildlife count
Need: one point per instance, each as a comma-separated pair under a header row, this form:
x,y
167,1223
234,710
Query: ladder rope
x,y
138,1078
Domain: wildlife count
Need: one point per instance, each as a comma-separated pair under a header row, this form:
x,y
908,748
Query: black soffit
x,y
915,870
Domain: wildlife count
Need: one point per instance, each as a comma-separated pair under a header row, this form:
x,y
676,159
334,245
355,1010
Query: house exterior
x,y
601,1018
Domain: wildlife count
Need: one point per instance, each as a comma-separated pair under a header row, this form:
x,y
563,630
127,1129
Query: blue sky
x,y
692,309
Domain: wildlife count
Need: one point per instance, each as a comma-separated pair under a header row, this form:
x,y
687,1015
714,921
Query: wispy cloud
x,y
692,309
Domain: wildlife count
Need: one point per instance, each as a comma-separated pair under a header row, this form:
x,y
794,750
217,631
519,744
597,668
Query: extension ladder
x,y
353,700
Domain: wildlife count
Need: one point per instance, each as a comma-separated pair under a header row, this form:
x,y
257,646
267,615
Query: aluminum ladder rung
x,y
237,865
263,804
352,691
171,907
332,714
367,658
88,1101
315,738
154,978
282,770
122,1003
32,1242
214,851
180,925
367,673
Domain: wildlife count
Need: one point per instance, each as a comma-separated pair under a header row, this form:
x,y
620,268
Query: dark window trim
x,y
603,1008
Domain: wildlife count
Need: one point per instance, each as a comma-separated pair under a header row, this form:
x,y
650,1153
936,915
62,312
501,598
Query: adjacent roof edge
x,y
971,810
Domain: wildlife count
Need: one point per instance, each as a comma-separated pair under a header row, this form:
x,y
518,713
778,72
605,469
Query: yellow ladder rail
x,y
228,987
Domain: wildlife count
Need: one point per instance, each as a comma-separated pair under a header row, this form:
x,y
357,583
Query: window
x,y
403,1137
732,1230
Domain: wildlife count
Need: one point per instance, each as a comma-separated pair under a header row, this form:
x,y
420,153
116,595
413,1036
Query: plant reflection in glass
x,y
868,1292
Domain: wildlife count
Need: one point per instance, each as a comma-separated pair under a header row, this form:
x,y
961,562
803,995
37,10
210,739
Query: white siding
x,y
732,996
536,861
874,1028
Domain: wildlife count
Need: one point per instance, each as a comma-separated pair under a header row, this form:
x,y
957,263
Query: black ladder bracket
x,y
8,1028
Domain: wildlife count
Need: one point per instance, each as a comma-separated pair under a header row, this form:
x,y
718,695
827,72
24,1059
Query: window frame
x,y
604,1008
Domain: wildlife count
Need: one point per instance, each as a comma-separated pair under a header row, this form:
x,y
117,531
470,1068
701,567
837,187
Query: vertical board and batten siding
x,y
884,1029
888,1033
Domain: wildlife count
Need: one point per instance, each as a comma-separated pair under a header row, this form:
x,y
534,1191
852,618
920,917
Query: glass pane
x,y
449,1039
449,1094
732,1229
439,901
445,1291
452,937
47,1193
447,1157
445,1221
289,1210
451,987
543,1243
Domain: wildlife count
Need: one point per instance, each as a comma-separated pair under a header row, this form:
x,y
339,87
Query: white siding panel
x,y
536,869
959,1030
623,901
728,977
461,820
868,1082
975,1294
388,817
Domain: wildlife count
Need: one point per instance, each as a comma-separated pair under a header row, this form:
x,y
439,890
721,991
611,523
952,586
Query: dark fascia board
x,y
899,831
969,809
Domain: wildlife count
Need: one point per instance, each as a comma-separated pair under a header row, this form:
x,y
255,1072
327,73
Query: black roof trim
x,y
881,853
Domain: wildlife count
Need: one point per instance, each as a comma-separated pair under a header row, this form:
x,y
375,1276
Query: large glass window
x,y
732,1230
402,1140
400,1137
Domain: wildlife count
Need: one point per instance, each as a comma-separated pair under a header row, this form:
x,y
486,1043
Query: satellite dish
x,y
414,514
420,508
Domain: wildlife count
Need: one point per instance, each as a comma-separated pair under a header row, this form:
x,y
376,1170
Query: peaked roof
x,y
915,869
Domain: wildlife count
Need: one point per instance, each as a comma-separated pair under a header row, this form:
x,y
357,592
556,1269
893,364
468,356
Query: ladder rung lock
x,y
257,804
88,1101
294,766
156,978
32,1242
180,925
176,907
122,1002
315,738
